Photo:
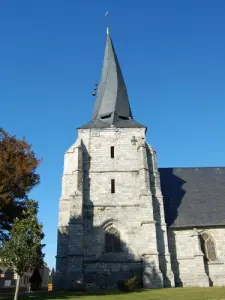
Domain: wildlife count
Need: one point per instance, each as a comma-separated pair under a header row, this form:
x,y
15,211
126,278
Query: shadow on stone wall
x,y
154,184
84,258
79,268
174,261
173,194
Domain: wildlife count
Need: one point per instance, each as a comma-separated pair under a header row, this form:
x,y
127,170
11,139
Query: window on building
x,y
112,186
112,152
208,247
112,241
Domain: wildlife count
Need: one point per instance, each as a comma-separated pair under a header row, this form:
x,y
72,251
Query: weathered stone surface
x,y
108,275
188,261
88,208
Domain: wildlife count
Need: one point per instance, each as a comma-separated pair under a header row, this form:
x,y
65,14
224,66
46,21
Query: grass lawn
x,y
162,294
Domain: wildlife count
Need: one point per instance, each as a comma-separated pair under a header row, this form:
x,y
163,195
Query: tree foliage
x,y
21,252
17,177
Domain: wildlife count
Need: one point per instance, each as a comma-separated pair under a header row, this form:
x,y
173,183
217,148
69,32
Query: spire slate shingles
x,y
112,107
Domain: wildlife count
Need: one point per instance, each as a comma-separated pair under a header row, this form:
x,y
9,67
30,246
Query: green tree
x,y
17,177
21,252
35,280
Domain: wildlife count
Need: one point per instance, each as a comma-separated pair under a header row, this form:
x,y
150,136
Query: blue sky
x,y
172,54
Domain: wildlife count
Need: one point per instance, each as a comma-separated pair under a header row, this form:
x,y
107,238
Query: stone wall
x,y
188,261
109,274
217,268
88,208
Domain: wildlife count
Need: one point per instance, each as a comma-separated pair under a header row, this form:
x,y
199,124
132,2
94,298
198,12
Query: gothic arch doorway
x,y
112,241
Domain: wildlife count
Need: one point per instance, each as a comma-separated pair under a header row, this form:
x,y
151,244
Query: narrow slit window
x,y
112,152
112,186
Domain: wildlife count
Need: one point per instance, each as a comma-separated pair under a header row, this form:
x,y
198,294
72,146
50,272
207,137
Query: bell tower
x,y
111,215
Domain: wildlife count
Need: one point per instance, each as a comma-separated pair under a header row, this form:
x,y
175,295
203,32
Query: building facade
x,y
112,220
8,279
195,217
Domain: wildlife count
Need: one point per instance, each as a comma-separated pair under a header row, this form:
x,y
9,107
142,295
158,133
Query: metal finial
x,y
107,22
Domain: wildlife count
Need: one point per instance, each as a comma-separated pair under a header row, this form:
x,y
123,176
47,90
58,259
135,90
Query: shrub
x,y
128,285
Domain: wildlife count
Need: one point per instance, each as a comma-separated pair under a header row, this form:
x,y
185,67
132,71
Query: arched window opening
x,y
112,241
208,247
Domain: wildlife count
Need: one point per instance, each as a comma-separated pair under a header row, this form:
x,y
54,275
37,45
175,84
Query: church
x,y
120,216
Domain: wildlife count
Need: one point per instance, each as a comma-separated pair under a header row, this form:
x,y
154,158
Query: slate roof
x,y
193,196
112,105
